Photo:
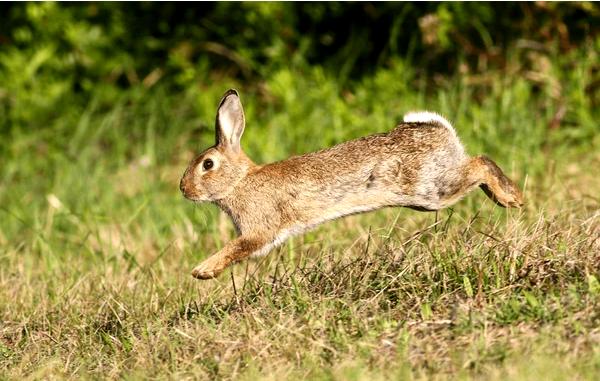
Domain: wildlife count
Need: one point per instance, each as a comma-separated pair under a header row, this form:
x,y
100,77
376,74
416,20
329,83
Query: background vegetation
x,y
102,105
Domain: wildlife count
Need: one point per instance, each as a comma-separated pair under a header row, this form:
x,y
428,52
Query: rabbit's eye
x,y
207,164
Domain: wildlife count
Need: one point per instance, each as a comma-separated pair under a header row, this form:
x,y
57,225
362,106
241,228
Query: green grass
x,y
97,244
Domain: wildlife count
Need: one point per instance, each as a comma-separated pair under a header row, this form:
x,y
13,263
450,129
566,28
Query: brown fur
x,y
417,165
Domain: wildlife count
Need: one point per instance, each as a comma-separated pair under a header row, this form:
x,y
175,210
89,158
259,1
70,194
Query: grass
x,y
97,244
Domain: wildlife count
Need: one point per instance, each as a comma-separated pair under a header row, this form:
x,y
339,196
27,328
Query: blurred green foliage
x,y
93,87
56,55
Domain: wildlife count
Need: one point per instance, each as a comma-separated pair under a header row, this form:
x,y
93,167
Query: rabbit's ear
x,y
230,121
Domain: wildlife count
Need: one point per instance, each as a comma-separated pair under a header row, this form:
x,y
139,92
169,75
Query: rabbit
x,y
420,164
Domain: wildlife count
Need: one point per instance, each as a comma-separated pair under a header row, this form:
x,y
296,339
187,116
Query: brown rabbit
x,y
420,164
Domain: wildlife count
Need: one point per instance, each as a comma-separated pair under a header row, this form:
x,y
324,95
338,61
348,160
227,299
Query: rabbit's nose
x,y
182,186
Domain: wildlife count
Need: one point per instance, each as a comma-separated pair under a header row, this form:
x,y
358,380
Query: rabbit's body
x,y
371,172
420,164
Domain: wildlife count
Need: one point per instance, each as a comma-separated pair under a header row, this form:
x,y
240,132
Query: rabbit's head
x,y
215,172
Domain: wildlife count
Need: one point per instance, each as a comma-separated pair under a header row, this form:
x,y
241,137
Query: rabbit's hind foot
x,y
478,171
502,190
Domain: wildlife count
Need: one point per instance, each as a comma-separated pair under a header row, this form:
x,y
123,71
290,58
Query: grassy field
x,y
97,243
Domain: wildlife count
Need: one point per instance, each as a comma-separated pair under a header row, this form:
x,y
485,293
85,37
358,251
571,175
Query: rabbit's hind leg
x,y
483,172
496,185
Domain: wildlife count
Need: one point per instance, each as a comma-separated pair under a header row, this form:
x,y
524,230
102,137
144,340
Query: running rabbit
x,y
420,164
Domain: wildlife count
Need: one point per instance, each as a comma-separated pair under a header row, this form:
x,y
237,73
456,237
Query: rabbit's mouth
x,y
189,193
194,197
198,200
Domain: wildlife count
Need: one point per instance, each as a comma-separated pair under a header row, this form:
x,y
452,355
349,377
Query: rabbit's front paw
x,y
210,268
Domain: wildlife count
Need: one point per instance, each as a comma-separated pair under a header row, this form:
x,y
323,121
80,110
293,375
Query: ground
x,y
97,245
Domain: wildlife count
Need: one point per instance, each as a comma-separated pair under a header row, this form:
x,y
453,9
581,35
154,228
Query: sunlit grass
x,y
97,244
